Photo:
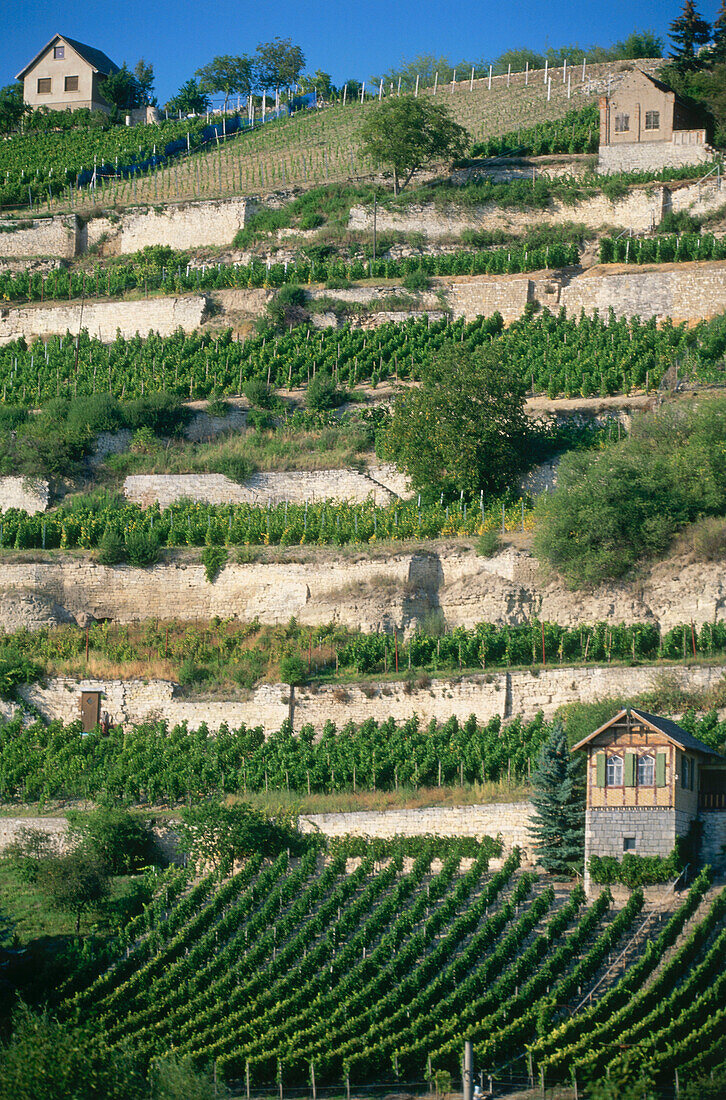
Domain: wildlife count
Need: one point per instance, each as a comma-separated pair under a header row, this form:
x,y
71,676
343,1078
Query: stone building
x,y
648,780
645,125
67,75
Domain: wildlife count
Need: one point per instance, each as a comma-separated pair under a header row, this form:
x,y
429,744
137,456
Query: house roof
x,y
666,726
97,59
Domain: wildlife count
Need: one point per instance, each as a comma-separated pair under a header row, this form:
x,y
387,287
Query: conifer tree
x,y
717,52
558,820
688,32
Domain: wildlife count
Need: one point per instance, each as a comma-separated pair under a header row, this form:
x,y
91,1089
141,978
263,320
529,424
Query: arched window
x,y
646,771
615,771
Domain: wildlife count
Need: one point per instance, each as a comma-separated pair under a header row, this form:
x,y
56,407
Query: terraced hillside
x,y
291,972
320,147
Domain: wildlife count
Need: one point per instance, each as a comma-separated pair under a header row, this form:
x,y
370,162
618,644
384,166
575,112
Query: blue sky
x,y
347,38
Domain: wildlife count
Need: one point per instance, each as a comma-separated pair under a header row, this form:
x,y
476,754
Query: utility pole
x,y
375,221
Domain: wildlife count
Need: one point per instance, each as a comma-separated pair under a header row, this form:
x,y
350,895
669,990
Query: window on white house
x,y
43,85
622,124
652,120
614,773
71,84
646,771
59,52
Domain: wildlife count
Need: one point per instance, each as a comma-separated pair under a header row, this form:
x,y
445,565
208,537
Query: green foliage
x,y
412,847
224,833
635,870
190,99
293,670
558,820
577,132
111,547
217,406
407,133
120,841
16,669
228,74
416,280
142,547
464,428
150,763
214,559
173,1078
45,1060
688,32
488,544
322,393
622,505
259,394
76,882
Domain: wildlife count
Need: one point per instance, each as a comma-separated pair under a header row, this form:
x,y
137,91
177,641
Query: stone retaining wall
x,y
508,819
362,588
685,292
28,494
180,225
296,486
102,318
503,694
57,237
713,843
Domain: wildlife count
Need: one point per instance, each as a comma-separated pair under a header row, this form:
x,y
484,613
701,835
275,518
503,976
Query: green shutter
x,y
660,769
600,770
629,769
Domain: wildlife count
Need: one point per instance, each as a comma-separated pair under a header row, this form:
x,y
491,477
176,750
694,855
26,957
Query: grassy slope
x,y
322,147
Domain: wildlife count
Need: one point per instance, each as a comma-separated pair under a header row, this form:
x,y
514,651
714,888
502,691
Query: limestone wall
x,y
56,237
510,819
683,292
366,588
639,210
181,225
505,694
648,156
29,494
102,319
296,486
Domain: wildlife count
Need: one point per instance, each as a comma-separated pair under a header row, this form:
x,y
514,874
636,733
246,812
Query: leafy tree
x,y
117,839
144,76
75,882
558,820
229,75
279,63
45,1060
320,82
322,393
619,505
424,67
122,90
645,43
292,670
688,32
405,133
11,107
210,831
191,99
464,428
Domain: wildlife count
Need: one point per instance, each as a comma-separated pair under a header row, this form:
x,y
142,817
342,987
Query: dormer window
x,y
614,771
646,771
59,53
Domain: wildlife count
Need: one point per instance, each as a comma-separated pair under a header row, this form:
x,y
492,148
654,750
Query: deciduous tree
x,y
406,133
229,75
191,99
279,63
464,428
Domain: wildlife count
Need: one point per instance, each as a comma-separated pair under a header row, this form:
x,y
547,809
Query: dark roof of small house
x,y
97,59
666,726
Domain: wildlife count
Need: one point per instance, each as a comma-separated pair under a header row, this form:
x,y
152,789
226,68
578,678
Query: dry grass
x,y
282,450
405,798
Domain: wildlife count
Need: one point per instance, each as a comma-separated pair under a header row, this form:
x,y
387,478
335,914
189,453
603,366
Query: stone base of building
x,y
651,156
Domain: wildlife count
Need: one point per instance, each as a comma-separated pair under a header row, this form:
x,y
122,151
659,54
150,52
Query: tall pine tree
x,y
688,32
717,53
558,820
